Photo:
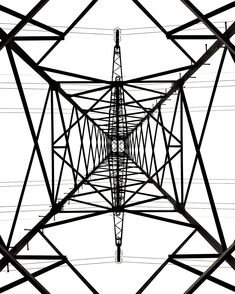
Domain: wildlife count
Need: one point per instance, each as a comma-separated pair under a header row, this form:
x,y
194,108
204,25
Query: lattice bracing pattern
x,y
120,147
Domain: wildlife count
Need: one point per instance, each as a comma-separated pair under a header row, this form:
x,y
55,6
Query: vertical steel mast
x,y
117,132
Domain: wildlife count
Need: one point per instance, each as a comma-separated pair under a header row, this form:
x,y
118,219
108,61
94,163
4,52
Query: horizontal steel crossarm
x,y
144,89
36,38
39,257
32,21
156,75
193,69
92,204
208,15
88,193
190,255
194,37
160,218
53,84
90,91
69,264
65,33
74,75
163,81
197,272
211,269
153,19
145,201
35,274
224,40
8,38
89,215
23,270
56,209
201,230
130,103
164,264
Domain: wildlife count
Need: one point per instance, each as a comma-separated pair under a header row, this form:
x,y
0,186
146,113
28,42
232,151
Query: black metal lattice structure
x,y
118,146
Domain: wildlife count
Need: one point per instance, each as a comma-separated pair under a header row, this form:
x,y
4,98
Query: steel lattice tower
x,y
112,138
117,133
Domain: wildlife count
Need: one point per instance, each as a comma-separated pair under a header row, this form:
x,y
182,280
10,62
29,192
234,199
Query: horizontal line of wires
x,y
126,76
109,31
201,263
18,183
218,108
131,90
224,217
192,205
141,207
95,84
202,108
34,183
102,202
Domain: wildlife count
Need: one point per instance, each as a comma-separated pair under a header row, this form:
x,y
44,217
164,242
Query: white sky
x,y
88,50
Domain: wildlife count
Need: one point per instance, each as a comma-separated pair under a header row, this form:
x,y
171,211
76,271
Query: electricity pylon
x,y
114,137
117,133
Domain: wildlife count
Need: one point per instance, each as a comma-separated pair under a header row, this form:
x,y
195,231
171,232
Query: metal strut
x,y
117,132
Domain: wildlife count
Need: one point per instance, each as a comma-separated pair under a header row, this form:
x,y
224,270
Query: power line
x,y
145,260
125,31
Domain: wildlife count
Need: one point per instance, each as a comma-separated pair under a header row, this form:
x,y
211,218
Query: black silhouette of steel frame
x,y
117,145
97,162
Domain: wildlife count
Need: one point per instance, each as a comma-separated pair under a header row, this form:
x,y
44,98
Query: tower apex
x,y
117,36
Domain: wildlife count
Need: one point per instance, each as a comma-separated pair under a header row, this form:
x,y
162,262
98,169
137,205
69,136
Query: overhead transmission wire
x,y
145,260
228,108
36,183
188,85
125,31
148,206
141,207
191,203
92,33
127,76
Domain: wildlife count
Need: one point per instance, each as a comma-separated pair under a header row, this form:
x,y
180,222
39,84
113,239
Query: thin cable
x,y
111,30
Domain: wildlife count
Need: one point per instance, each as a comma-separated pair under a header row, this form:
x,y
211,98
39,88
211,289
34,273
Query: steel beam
x,y
153,19
193,69
65,33
223,39
31,21
53,84
165,263
39,226
211,269
8,38
23,270
201,230
199,273
70,265
35,274
208,15
204,173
